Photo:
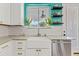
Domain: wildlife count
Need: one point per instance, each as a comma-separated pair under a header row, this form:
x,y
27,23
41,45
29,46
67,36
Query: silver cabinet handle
x,y
19,53
38,50
19,48
20,42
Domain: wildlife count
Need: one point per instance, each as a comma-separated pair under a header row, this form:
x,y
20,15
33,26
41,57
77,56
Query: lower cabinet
x,y
6,49
38,52
19,47
45,52
38,46
31,52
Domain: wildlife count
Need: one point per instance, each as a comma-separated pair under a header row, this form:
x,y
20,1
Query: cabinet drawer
x,y
45,52
38,42
38,52
20,53
31,52
20,42
19,47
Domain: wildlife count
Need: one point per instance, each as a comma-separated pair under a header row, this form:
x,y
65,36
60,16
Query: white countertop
x,y
8,38
59,38
4,39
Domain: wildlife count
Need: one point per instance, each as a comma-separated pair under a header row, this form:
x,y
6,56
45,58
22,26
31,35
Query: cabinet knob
x,y
19,53
19,42
39,49
19,48
36,49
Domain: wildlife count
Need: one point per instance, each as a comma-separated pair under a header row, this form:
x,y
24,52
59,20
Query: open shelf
x,y
57,15
57,23
56,8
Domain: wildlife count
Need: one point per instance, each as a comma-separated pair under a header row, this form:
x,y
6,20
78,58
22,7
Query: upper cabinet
x,y
16,11
11,13
4,13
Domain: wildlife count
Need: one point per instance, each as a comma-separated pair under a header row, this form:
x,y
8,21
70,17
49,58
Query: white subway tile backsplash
x,y
3,30
15,30
11,30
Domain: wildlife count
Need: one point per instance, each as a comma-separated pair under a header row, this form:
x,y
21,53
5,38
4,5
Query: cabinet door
x,y
31,52
72,25
72,20
15,10
38,52
6,49
44,52
4,13
19,47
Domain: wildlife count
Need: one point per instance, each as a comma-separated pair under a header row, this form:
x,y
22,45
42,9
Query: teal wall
x,y
53,19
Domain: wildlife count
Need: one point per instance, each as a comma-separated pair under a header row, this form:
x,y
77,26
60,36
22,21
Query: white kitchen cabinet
x,y
38,52
5,13
11,13
31,52
16,14
6,49
44,52
19,48
72,21
38,46
72,11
